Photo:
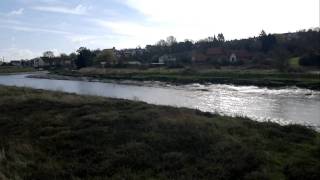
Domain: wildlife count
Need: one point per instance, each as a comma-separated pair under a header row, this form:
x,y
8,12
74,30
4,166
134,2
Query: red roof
x,y
215,51
199,57
242,54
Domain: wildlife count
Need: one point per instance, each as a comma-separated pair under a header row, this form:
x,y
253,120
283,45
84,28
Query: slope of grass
x,y
52,135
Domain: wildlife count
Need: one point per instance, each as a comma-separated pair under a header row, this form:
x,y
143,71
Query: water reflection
x,y
286,105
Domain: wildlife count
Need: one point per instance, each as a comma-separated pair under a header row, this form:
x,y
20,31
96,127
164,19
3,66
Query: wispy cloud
x,y
16,12
33,29
78,10
123,27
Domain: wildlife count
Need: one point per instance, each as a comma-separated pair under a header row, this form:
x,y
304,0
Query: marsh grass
x,y
268,78
53,135
14,69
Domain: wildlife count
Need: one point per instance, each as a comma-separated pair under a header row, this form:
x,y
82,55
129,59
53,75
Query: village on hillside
x,y
268,51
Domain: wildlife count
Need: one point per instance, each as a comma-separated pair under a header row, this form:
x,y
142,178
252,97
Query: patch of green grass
x,y
52,135
294,62
14,69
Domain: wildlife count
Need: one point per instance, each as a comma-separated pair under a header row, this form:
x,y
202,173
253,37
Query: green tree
x,y
268,41
281,56
106,56
84,58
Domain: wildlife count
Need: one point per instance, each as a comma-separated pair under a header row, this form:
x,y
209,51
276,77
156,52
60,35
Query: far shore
x,y
182,76
261,78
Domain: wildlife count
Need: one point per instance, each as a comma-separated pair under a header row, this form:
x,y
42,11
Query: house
x,y
233,58
39,63
167,59
103,64
198,57
134,63
130,52
221,55
216,52
242,54
15,63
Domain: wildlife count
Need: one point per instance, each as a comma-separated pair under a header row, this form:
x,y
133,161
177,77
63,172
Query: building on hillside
x,y
198,57
134,63
233,58
38,63
219,55
216,52
103,64
237,55
167,59
130,52
15,63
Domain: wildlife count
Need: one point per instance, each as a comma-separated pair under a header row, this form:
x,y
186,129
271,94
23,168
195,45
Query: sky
x,y
30,27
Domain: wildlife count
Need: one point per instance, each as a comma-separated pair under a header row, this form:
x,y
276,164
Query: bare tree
x,y
162,43
48,54
221,37
171,40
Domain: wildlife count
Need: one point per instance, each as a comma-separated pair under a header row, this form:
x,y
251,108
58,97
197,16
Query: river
x,y
289,105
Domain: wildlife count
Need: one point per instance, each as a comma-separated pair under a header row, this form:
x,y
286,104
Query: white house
x,y
233,58
134,63
15,63
38,63
166,59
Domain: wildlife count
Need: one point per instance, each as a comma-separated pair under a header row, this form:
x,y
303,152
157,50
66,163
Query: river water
x,y
284,106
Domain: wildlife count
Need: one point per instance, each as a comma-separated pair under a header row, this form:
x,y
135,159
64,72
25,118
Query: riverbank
x,y
264,78
53,135
53,76
14,69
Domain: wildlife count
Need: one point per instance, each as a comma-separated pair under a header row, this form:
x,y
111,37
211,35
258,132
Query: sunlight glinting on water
x,y
284,106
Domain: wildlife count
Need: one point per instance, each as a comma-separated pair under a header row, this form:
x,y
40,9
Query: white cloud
x,y
197,19
78,10
17,54
16,12
127,34
236,19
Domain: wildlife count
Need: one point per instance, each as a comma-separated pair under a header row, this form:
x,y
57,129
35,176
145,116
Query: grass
x,y
268,78
53,135
14,69
294,62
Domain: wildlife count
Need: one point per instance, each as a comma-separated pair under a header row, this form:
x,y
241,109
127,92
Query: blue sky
x,y
30,27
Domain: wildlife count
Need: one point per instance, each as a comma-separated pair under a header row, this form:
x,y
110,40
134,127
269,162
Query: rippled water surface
x,y
285,105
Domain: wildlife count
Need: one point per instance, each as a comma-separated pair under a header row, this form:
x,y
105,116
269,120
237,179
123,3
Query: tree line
x,y
277,47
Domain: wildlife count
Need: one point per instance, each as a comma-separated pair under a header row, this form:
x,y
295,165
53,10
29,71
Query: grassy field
x,y
268,78
52,135
14,69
